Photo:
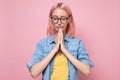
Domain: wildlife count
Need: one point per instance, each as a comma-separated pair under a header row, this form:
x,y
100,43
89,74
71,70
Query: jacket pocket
x,y
73,53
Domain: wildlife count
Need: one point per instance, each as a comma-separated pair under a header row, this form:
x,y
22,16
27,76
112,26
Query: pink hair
x,y
70,27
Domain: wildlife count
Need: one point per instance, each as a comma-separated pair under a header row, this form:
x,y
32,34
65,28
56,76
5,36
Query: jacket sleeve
x,y
83,54
37,56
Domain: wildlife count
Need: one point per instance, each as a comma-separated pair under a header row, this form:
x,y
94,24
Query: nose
x,y
59,21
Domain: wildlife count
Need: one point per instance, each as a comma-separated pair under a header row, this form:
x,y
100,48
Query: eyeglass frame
x,y
59,19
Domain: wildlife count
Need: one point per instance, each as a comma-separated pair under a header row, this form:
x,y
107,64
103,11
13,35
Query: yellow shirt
x,y
60,67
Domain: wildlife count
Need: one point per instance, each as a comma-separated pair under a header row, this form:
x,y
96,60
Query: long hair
x,y
70,27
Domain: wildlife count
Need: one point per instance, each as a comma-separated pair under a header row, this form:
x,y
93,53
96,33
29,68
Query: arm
x,y
78,63
41,64
81,66
38,67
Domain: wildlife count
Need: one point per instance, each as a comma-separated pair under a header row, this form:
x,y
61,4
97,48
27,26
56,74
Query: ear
x,y
50,21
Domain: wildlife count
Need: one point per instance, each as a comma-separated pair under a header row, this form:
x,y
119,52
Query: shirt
x,y
73,44
60,67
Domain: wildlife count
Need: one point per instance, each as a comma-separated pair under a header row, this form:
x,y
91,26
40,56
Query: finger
x,y
60,34
60,29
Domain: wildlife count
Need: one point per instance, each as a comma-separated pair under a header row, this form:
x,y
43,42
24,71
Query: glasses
x,y
63,19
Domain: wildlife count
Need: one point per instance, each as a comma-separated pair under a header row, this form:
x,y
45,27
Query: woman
x,y
60,55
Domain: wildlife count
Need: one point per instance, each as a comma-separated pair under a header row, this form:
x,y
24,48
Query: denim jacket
x,y
74,45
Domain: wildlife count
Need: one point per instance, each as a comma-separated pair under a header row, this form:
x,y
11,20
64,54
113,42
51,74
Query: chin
x,y
57,30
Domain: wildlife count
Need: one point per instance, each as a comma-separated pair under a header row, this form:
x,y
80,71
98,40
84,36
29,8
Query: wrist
x,y
56,48
64,50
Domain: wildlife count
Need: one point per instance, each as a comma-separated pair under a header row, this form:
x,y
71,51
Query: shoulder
x,y
75,39
44,40
77,42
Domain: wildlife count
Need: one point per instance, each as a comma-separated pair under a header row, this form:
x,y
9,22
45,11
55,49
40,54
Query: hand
x,y
57,38
60,47
61,40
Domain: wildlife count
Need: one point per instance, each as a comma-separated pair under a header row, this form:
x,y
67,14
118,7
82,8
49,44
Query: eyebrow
x,y
57,16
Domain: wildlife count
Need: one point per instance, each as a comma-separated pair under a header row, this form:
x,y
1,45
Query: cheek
x,y
53,25
55,28
65,26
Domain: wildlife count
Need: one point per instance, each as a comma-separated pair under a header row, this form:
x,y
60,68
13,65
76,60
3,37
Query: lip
x,y
59,27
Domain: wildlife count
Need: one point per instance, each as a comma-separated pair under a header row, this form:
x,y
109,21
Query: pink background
x,y
24,22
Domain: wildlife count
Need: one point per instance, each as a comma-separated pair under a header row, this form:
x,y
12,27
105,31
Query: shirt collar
x,y
65,39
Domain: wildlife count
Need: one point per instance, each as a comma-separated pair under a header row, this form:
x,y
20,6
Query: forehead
x,y
59,12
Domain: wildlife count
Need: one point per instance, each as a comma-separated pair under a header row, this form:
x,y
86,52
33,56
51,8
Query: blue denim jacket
x,y
74,45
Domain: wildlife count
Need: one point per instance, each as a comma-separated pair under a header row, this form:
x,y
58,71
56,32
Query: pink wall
x,y
24,22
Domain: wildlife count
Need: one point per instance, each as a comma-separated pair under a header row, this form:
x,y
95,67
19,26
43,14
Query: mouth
x,y
59,27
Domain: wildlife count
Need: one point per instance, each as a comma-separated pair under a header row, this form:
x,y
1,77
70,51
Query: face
x,y
59,20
